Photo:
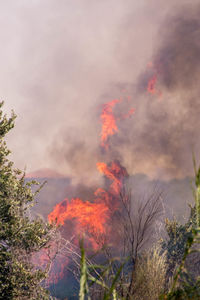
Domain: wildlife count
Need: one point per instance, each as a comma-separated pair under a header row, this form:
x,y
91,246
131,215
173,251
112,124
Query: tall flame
x,y
115,172
109,122
94,218
109,126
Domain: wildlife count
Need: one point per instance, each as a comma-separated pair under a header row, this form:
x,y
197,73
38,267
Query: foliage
x,y
132,271
184,285
137,221
150,273
20,237
99,281
99,276
174,246
163,268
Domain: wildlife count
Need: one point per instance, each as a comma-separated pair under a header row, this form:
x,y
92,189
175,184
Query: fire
x,y
153,82
109,126
115,173
151,88
109,122
59,210
93,217
90,217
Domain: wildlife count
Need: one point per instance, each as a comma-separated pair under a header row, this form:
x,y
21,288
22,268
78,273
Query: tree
x,y
20,237
128,269
182,245
138,219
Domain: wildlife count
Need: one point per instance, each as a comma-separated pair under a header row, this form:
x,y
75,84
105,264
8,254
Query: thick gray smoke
x,y
178,57
164,131
62,60
171,129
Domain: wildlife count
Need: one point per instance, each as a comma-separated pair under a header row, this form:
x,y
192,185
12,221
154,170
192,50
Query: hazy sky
x,y
60,60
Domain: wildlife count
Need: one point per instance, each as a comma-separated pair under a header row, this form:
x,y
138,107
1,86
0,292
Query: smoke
x,y
172,124
61,62
178,56
163,133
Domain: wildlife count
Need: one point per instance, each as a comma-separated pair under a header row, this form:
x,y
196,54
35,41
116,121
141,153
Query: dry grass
x,y
150,274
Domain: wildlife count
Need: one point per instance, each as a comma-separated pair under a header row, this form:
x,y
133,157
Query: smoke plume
x,y
61,62
171,129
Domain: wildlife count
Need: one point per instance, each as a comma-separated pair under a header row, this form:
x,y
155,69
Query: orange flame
x,y
89,216
109,122
115,173
93,217
109,126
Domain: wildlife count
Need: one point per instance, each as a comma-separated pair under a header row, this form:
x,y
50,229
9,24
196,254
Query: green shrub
x,y
20,237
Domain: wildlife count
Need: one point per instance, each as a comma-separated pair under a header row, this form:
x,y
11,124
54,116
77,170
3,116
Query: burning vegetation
x,y
93,218
101,242
108,220
112,222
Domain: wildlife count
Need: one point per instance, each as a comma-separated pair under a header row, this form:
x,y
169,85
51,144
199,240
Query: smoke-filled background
x,y
60,60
